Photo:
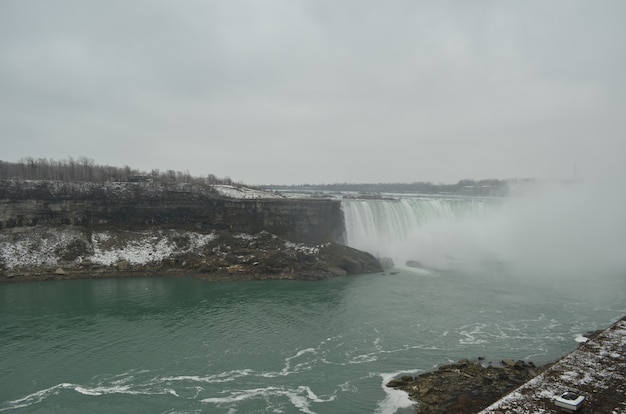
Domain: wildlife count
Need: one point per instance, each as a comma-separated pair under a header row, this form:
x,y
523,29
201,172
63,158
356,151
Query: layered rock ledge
x,y
147,206
56,230
46,253
66,253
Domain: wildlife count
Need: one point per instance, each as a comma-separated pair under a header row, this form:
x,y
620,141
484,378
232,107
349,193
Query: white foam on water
x,y
33,398
394,399
104,390
237,396
41,395
471,334
348,387
300,397
360,359
227,376
117,389
288,369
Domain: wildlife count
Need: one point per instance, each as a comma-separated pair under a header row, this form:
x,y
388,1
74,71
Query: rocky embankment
x,y
596,370
465,386
45,253
52,230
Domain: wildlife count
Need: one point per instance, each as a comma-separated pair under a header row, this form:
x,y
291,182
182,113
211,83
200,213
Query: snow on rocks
x,y
243,192
37,253
596,370
302,248
34,249
50,248
145,250
151,247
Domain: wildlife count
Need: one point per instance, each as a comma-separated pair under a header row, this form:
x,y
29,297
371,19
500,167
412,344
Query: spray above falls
x,y
424,230
562,230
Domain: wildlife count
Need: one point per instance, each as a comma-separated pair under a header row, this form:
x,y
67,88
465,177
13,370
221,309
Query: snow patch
x,y
243,192
146,250
302,248
33,249
44,248
150,248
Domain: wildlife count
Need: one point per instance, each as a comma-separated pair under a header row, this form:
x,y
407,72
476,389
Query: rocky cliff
x,y
53,229
152,205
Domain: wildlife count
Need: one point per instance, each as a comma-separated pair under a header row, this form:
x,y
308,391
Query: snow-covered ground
x,y
45,247
152,248
58,188
243,192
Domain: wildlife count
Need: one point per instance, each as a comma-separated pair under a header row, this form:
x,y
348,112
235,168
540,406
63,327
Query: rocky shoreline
x,y
45,253
466,386
53,230
469,386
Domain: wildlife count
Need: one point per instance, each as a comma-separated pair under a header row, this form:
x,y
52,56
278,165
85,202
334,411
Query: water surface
x,y
163,345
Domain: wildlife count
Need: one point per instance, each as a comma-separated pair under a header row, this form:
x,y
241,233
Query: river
x,y
166,345
480,285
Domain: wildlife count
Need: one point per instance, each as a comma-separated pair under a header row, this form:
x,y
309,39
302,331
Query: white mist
x,y
571,230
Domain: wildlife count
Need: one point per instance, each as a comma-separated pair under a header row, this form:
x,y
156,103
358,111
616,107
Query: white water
x,y
561,230
432,231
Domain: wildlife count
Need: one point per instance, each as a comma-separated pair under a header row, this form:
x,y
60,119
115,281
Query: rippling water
x,y
164,345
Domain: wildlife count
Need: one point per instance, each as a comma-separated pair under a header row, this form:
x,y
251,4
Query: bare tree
x,y
85,169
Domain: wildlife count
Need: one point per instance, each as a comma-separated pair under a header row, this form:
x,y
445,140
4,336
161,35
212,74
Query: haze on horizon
x,y
301,91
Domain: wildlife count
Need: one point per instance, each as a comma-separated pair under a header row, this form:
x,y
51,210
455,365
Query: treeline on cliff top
x,y
85,169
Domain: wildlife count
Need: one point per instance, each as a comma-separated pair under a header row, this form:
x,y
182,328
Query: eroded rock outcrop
x,y
55,230
465,386
140,206
71,253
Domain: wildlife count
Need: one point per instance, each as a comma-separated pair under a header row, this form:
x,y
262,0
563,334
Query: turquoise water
x,y
163,345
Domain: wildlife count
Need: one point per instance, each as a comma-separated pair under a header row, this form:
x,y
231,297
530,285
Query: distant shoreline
x,y
212,277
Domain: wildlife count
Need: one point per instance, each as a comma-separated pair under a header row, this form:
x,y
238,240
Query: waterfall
x,y
425,230
558,230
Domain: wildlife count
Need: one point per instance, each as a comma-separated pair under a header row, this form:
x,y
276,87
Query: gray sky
x,y
319,91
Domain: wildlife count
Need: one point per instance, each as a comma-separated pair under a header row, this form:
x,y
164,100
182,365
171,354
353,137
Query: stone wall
x,y
152,206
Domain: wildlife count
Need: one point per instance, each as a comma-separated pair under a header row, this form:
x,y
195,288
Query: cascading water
x,y
433,232
558,230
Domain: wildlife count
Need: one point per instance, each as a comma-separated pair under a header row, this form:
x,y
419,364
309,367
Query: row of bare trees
x,y
85,169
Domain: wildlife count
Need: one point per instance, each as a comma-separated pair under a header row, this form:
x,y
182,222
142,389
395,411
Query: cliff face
x,y
50,229
139,206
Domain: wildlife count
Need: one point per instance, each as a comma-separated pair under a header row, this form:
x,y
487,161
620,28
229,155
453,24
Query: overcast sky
x,y
319,91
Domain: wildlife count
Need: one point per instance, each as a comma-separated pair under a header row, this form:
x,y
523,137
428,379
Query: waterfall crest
x,y
419,229
561,230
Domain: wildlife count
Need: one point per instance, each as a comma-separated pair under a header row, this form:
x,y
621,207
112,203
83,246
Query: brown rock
x,y
465,386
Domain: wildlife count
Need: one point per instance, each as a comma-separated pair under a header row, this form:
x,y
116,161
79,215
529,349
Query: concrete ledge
x,y
595,371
